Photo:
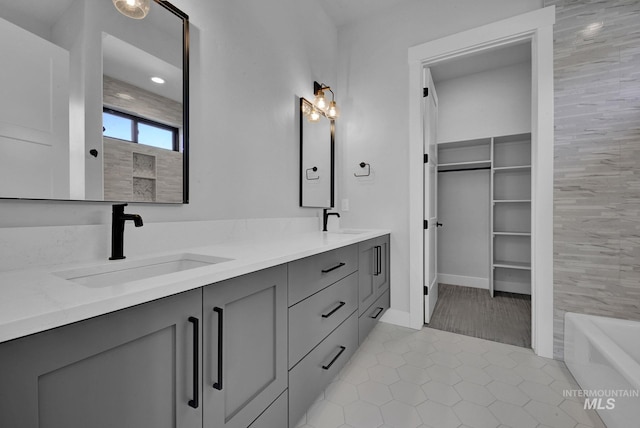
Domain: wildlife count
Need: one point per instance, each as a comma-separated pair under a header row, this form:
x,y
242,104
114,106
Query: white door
x,y
430,118
34,116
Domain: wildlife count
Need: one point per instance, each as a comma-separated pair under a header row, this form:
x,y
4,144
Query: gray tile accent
x,y
139,173
597,160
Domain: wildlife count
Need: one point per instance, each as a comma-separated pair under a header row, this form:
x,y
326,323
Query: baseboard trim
x,y
399,318
465,281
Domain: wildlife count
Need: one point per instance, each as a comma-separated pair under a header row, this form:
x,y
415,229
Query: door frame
x,y
536,27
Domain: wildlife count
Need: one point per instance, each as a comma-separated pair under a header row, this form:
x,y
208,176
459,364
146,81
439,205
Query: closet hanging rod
x,y
466,169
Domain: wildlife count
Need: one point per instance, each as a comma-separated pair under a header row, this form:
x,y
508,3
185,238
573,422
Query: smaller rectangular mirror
x,y
317,146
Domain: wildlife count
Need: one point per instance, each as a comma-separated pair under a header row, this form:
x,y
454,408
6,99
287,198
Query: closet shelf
x,y
511,201
464,165
512,168
512,265
512,233
464,143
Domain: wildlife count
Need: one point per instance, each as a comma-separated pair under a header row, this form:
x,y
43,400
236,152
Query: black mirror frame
x,y
185,94
185,112
333,158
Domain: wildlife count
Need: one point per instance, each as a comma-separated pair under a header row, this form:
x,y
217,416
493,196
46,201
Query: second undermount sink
x,y
134,270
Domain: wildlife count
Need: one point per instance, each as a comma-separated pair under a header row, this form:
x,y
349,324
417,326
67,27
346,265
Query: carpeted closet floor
x,y
473,312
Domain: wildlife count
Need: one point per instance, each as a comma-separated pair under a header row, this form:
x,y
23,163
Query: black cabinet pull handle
x,y
378,314
218,384
379,259
375,261
328,366
339,265
341,304
196,372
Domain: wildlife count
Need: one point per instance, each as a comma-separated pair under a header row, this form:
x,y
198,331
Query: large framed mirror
x,y
317,159
94,104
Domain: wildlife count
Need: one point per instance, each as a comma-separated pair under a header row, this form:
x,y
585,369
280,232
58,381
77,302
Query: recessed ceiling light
x,y
158,80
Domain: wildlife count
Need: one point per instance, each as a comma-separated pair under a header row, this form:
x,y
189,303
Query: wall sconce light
x,y
136,9
329,109
310,111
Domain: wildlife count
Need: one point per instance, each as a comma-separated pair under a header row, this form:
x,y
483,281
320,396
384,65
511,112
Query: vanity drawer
x,y
312,319
275,416
309,378
311,274
369,319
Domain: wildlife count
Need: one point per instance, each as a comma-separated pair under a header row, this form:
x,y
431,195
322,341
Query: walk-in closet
x,y
484,171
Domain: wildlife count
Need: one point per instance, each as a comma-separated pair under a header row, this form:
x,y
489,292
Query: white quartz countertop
x,y
38,299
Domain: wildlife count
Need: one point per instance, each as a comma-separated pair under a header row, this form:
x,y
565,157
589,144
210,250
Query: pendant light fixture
x,y
136,9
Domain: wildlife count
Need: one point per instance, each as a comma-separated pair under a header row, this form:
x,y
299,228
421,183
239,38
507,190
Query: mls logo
x,y
599,404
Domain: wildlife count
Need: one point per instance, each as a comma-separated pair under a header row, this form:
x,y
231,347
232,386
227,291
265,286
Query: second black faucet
x,y
118,218
325,218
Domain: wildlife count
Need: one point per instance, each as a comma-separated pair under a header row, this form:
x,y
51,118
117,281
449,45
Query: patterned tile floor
x,y
402,378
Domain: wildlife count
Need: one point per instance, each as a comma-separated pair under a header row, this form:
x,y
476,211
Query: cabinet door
x,y
245,347
367,267
381,274
131,368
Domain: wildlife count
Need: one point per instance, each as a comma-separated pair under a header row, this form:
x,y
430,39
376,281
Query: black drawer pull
x,y
341,304
328,366
379,259
377,314
375,261
196,352
339,265
218,384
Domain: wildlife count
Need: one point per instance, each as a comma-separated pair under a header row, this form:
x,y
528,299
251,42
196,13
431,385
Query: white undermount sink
x,y
121,272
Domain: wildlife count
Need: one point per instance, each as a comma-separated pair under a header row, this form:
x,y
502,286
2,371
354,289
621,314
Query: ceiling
x,y
482,61
126,62
343,12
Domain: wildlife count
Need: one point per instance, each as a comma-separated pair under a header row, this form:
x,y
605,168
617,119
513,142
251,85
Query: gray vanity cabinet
x,y
373,271
130,368
245,347
275,416
323,323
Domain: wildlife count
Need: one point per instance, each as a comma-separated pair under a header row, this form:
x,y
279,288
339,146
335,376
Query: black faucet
x,y
118,217
325,218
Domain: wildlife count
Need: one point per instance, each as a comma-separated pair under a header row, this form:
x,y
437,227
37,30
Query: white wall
x,y
488,104
463,239
250,60
373,91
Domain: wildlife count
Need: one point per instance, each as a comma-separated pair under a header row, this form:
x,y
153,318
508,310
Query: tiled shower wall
x,y
597,160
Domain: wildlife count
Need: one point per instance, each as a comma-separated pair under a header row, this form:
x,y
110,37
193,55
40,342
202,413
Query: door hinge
x,y
426,158
425,92
426,224
426,290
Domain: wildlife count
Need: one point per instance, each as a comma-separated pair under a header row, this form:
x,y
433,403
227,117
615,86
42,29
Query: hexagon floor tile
x,y
401,378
